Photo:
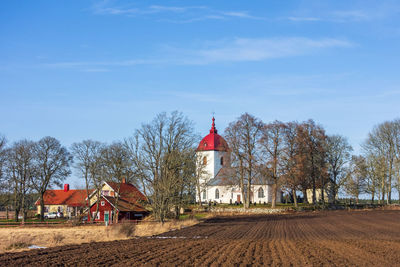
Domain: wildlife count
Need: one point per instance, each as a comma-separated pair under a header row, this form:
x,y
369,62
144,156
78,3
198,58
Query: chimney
x,y
124,180
66,187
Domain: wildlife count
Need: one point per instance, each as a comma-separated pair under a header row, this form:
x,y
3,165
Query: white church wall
x,y
230,194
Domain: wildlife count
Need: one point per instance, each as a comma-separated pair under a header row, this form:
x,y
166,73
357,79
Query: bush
x,y
126,229
57,238
17,245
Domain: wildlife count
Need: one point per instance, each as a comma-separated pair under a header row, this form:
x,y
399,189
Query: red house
x,y
118,199
69,202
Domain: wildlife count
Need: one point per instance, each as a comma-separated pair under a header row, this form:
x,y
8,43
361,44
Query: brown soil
x,y
340,238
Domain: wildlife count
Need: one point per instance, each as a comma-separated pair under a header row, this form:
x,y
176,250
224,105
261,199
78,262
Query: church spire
x,y
213,129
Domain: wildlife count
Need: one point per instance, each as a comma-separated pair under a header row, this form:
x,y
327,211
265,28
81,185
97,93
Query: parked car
x,y
51,215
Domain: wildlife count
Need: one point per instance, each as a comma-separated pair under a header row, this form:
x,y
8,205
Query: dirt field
x,y
340,238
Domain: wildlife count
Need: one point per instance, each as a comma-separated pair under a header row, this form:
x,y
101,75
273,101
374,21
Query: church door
x,y
238,198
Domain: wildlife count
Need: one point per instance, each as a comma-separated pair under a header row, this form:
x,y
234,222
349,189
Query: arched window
x,y
222,161
216,193
260,193
204,195
205,161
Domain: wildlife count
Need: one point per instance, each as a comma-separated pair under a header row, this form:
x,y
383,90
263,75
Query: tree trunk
x,y
16,213
295,198
322,195
248,189
372,197
87,204
41,206
23,209
7,216
305,198
314,197
199,193
274,191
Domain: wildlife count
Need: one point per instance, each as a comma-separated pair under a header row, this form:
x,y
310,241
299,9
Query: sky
x,y
79,70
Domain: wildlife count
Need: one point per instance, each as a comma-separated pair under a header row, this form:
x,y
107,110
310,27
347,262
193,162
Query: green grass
x,y
197,216
12,221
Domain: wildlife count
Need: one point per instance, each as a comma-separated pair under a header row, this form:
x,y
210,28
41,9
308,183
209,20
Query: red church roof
x,y
213,141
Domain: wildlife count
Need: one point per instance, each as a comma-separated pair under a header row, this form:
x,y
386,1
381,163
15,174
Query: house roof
x,y
73,198
128,191
125,204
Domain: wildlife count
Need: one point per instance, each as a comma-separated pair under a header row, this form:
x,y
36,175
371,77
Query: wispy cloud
x,y
303,19
181,14
206,97
221,51
361,13
243,49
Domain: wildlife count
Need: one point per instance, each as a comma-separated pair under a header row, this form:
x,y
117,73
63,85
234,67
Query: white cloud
x,y
242,49
181,14
303,19
223,51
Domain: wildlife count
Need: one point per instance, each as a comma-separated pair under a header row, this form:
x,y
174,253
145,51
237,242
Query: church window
x,y
204,194
222,161
205,161
216,193
260,193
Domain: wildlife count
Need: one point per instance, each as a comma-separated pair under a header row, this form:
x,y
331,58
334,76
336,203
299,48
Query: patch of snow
x,y
35,247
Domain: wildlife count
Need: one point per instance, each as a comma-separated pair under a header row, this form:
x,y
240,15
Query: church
x,y
218,180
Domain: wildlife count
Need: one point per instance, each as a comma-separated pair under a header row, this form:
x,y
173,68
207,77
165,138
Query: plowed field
x,y
340,238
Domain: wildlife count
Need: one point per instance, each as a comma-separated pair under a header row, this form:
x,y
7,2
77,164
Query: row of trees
x,y
377,170
160,159
28,166
294,156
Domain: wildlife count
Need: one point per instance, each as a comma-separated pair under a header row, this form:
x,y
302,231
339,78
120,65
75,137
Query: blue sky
x,y
98,69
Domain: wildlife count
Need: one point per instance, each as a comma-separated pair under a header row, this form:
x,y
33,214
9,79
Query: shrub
x,y
17,245
57,238
125,229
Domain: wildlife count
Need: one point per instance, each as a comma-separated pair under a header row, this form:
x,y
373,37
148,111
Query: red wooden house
x,y
118,199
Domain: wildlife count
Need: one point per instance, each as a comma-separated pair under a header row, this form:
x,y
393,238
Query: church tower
x,y
212,155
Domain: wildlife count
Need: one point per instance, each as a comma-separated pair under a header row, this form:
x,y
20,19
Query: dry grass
x,y
18,239
155,228
11,238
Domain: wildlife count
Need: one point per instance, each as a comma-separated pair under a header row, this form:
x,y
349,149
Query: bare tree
x,y
5,192
20,170
52,163
355,181
375,170
312,157
117,167
88,161
163,155
200,174
272,142
382,142
3,142
290,160
338,155
244,136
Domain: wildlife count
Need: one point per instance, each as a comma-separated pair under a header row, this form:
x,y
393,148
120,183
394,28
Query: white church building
x,y
218,182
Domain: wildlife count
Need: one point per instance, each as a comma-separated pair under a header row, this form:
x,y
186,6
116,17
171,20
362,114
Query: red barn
x,y
118,199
